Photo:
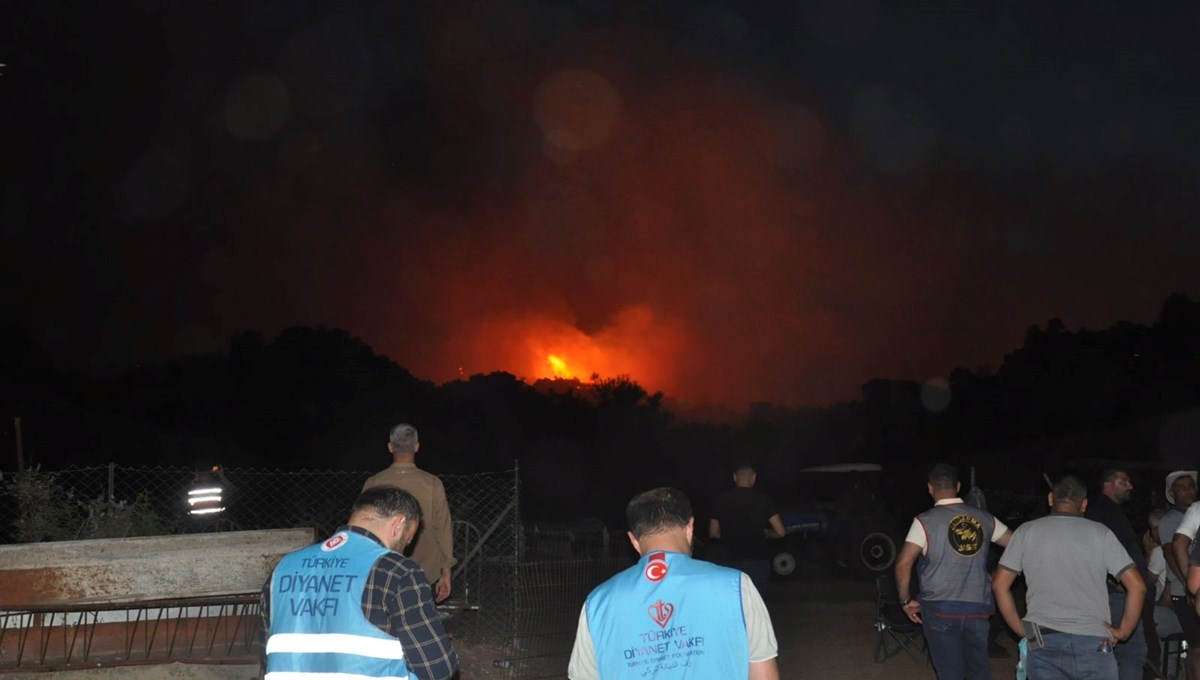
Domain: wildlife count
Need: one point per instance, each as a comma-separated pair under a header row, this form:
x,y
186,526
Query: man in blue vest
x,y
952,540
354,604
670,616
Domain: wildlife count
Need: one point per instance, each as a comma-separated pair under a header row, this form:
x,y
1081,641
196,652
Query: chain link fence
x,y
518,587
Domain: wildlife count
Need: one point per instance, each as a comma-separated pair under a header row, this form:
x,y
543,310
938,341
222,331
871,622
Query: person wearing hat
x,y
1176,531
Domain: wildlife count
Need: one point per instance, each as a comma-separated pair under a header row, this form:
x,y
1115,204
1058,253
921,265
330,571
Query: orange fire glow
x,y
696,264
558,367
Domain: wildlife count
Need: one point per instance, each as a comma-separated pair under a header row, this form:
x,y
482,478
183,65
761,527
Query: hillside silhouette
x,y
319,398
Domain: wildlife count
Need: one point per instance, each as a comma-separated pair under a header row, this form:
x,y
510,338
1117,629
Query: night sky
x,y
729,202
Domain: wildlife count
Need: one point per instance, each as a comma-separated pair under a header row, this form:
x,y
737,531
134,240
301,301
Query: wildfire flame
x,y
558,367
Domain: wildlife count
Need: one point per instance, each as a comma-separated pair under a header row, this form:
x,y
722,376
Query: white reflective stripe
x,y
204,499
336,643
294,675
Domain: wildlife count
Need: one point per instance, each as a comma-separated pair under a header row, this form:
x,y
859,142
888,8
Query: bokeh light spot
x,y
935,395
576,111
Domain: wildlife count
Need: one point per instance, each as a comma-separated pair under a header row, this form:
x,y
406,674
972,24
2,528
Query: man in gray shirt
x,y
1066,560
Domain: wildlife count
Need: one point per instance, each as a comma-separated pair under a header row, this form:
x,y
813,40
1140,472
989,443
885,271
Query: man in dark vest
x,y
1115,489
950,544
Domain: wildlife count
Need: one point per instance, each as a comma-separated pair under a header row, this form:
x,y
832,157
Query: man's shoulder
x,y
397,564
680,565
742,494
1068,525
394,474
960,508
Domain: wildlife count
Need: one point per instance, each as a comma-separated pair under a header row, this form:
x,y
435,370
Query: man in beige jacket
x,y
433,547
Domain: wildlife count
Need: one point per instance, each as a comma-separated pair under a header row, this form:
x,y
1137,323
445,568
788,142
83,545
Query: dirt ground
x,y
826,629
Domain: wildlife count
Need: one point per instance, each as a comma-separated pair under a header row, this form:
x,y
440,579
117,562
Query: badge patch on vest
x,y
334,542
656,569
661,612
966,535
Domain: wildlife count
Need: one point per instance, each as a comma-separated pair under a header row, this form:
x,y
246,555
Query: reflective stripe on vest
x,y
318,629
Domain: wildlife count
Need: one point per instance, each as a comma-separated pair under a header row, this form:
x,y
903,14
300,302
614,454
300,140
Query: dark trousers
x,y
958,647
1131,654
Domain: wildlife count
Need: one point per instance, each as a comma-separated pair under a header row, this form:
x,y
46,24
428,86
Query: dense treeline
x,y
320,398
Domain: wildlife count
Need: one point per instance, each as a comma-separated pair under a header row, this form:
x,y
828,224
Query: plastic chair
x,y
896,632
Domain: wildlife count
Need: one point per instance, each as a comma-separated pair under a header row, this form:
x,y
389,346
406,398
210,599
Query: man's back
x,y
1066,560
954,565
432,548
671,616
743,513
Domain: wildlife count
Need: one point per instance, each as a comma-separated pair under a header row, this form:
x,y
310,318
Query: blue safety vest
x,y
317,624
670,617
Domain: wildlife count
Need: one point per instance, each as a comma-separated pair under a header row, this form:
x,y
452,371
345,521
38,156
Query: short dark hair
x,y
1069,489
403,439
1110,475
388,502
744,467
658,510
943,476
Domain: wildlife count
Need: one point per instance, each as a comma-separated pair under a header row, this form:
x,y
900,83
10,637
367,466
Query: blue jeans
x,y
1131,654
1071,657
958,647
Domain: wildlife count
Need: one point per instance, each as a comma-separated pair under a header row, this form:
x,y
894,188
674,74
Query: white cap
x,y
1171,480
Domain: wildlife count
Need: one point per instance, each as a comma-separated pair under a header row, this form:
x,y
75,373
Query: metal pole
x,y
20,446
110,482
517,510
515,604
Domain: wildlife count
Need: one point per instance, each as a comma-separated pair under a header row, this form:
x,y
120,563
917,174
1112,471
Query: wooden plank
x,y
119,570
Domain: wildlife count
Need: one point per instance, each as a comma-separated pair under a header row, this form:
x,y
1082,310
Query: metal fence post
x,y
111,466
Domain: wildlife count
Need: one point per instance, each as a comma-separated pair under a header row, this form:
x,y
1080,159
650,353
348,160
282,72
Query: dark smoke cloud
x,y
475,187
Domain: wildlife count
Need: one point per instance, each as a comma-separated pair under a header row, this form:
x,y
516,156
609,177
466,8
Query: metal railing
x,y
516,590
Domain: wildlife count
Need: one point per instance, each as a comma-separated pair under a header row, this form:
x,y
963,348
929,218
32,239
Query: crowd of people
x,y
1097,596
1098,599
362,602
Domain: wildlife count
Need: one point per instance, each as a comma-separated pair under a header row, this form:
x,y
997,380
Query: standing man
x,y
433,549
1066,559
670,616
354,605
743,518
1176,543
1115,489
952,540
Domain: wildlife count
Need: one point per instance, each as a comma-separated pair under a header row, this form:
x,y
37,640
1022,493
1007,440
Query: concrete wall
x,y
170,671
